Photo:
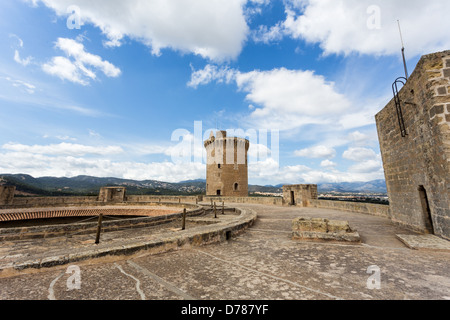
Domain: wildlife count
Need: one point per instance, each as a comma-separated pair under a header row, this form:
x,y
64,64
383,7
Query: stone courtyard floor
x,y
261,264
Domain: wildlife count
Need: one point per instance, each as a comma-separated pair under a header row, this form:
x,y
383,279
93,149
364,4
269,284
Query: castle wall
x,y
7,195
275,201
417,167
372,209
299,195
112,194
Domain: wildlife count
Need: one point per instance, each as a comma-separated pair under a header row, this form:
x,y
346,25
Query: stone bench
x,y
317,229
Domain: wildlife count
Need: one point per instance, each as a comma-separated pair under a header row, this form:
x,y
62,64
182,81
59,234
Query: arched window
x,y
236,186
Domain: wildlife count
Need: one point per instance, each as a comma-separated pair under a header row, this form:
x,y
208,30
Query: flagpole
x,y
403,50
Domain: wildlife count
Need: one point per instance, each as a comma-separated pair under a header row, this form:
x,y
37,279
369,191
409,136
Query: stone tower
x,y
414,134
227,166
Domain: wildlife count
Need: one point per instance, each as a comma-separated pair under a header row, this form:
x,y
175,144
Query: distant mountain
x,y
268,189
194,181
375,186
87,185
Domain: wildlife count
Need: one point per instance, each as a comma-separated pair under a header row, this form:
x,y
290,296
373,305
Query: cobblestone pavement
x,y
261,264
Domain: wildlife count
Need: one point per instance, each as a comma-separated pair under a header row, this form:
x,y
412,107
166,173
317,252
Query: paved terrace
x,y
263,263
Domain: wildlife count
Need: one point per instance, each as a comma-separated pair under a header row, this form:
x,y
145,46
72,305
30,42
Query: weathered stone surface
x,y
424,242
299,195
112,194
227,165
335,226
417,166
7,195
323,230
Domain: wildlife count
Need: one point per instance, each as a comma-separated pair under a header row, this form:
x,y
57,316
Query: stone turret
x,y
227,166
414,135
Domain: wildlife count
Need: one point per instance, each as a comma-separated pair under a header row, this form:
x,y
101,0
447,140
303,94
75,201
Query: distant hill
x,y
87,185
375,186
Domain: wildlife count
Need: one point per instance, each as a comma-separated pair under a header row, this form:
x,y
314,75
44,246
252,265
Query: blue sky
x,y
129,89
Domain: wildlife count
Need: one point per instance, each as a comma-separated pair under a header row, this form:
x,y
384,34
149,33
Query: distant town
x,y
379,198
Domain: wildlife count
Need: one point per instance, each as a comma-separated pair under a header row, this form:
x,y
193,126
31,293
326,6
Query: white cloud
x,y
213,29
341,26
269,172
64,69
68,160
287,99
65,138
78,71
268,35
368,166
209,74
359,154
291,92
368,161
82,58
39,165
63,149
258,152
328,164
29,88
316,152
358,138
263,170
25,62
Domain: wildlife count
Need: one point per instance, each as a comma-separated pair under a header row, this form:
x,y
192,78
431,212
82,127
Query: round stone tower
x,y
227,167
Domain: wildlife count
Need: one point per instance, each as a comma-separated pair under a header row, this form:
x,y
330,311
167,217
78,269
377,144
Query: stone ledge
x,y
203,235
317,229
424,242
324,236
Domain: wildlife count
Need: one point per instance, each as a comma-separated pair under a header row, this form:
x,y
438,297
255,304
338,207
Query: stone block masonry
x,y
323,230
112,194
299,195
227,165
7,195
417,165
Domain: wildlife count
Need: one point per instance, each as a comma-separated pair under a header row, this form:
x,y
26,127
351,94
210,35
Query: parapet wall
x,y
34,202
50,201
379,210
358,207
179,199
191,201
7,195
276,201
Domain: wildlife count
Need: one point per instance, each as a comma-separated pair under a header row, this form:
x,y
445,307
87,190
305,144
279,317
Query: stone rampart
x,y
358,207
414,135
